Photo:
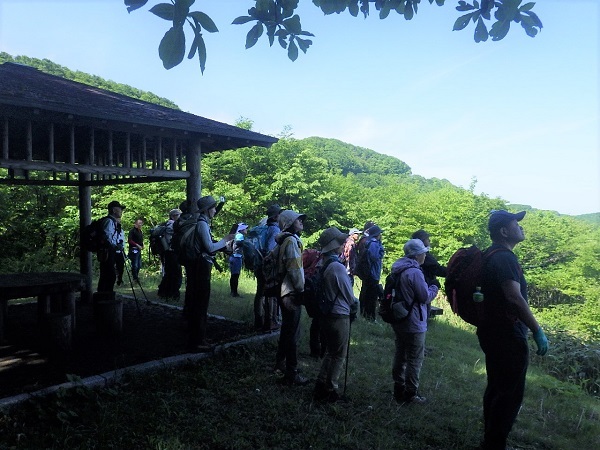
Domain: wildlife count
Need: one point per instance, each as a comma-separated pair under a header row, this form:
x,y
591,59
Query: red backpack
x,y
465,274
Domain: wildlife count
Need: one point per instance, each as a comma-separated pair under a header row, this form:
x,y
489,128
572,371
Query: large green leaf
x,y
172,47
293,24
132,5
205,21
252,37
164,11
481,33
293,50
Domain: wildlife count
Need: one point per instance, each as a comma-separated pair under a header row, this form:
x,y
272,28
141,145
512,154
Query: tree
x,y
278,19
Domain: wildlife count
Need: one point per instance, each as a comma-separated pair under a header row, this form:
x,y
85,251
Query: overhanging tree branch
x,y
278,19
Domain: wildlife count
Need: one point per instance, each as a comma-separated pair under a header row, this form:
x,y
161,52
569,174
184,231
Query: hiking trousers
x,y
289,335
337,331
408,360
506,362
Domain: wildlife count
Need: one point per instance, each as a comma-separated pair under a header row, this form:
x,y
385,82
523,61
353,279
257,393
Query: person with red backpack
x,y
503,329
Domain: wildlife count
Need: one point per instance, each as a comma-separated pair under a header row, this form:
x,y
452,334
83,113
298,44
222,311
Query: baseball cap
x,y
499,218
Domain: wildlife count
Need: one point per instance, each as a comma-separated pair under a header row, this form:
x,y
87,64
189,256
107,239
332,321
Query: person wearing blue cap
x,y
503,331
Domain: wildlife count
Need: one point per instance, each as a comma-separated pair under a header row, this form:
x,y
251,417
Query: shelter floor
x,y
152,332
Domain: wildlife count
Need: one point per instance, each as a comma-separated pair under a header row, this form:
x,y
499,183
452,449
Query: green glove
x,y
541,341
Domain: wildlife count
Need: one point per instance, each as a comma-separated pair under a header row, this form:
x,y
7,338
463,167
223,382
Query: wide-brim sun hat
x,y
331,239
414,247
206,202
373,231
288,217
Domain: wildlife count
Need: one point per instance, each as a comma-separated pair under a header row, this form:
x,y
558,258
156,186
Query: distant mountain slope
x,y
353,159
593,218
47,66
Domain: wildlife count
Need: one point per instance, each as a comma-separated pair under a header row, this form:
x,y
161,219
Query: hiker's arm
x,y
206,241
512,293
292,260
423,293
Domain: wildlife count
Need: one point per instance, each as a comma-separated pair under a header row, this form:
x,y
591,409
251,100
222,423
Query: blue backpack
x,y
254,247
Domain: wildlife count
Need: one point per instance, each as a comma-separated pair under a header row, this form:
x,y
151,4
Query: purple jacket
x,y
414,288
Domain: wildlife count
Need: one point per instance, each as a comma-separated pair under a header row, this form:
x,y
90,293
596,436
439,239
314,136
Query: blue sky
x,y
520,115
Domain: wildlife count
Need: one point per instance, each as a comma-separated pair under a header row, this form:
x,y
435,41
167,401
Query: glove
x,y
541,341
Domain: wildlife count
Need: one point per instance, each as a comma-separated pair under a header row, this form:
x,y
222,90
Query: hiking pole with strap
x,y
139,284
131,283
347,358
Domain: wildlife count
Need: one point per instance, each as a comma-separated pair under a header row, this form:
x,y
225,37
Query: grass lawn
x,y
232,401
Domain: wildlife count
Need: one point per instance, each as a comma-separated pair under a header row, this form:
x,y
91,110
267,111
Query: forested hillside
x,y
334,183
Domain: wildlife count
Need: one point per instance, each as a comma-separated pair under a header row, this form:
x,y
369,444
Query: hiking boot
x,y
416,399
399,393
279,367
321,393
294,380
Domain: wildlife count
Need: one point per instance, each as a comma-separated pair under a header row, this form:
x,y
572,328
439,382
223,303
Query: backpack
x,y
93,238
464,275
311,262
363,268
255,247
184,239
272,270
393,308
158,239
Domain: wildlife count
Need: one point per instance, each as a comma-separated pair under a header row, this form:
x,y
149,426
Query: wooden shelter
x,y
59,132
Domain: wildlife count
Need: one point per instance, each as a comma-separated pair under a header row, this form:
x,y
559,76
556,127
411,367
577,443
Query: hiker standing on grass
x,y
266,308
199,272
236,259
431,267
114,238
503,331
291,293
372,258
336,325
135,239
349,252
410,332
171,281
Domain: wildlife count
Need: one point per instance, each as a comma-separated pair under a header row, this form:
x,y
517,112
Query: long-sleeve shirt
x,y
338,288
113,231
207,245
290,257
413,288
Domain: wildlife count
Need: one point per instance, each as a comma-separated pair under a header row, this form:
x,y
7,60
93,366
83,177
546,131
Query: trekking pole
x,y
131,283
139,283
347,357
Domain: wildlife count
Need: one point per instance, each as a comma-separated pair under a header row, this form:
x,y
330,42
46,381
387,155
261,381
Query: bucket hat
x,y
331,239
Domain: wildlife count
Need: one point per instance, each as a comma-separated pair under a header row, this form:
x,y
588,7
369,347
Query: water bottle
x,y
478,295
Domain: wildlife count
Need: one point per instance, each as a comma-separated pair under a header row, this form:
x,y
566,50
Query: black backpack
x,y
393,308
363,268
93,238
159,242
184,239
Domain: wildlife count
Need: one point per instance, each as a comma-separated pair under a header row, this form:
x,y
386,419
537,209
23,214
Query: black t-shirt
x,y
499,314
136,236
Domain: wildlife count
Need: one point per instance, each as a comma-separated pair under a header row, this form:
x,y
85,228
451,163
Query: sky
x,y
520,117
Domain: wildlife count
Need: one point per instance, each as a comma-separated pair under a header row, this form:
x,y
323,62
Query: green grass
x,y
232,401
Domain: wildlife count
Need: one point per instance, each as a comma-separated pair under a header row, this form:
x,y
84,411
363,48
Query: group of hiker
x,y
284,286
